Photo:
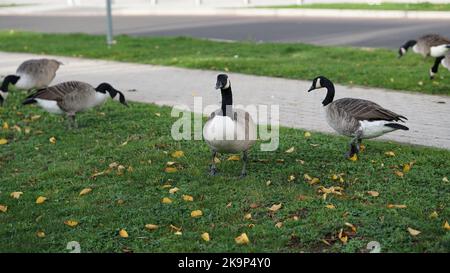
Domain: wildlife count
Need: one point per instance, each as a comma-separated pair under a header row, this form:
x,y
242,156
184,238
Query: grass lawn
x,y
139,140
345,65
424,6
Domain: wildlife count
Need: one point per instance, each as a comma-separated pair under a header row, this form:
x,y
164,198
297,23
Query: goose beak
x,y
311,88
218,85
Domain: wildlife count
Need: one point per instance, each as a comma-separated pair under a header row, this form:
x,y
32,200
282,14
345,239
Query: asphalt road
x,y
389,33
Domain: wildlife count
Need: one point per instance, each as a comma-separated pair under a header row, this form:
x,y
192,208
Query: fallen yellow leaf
x,y
158,114
406,167
354,157
170,170
40,234
5,125
330,206
275,207
166,200
177,154
151,227
216,160
390,153
362,148
315,180
3,141
52,140
248,216
307,177
234,158
179,233
71,223
290,150
373,193
205,237
445,179
196,213
351,226
123,233
85,191
188,198
392,206
16,194
446,226
413,232
35,117
3,208
434,214
279,224
307,134
399,173
268,183
41,199
291,178
242,239
174,228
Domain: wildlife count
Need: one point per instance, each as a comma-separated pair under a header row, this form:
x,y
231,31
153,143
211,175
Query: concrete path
x,y
428,115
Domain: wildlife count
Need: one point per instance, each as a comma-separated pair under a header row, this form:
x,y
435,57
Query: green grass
x,y
345,65
31,164
424,6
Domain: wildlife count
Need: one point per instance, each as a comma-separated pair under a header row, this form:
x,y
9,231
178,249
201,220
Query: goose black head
x,y
10,79
323,82
402,50
106,87
223,82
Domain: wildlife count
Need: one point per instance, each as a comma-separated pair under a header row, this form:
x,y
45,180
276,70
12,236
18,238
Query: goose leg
x,y
435,67
354,147
72,121
244,167
212,167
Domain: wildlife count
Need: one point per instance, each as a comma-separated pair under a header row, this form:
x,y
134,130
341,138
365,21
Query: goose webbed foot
x,y
212,171
72,122
354,149
243,175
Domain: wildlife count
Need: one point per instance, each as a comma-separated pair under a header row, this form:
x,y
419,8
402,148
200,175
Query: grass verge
x,y
424,6
345,65
139,139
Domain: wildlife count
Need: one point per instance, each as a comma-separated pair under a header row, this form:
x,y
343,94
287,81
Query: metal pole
x,y
109,30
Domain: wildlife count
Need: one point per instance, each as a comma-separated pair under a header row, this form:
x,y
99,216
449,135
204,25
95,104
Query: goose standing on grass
x,y
433,45
356,118
73,97
229,130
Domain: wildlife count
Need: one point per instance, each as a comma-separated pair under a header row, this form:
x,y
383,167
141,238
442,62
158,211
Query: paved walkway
x,y
428,115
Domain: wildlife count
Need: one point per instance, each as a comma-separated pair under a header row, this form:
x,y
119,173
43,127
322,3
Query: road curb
x,y
148,10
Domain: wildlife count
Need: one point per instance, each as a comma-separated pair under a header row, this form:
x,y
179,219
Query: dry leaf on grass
x,y
330,206
16,194
173,190
290,150
275,207
248,216
307,134
3,208
205,236
434,214
446,226
234,158
52,140
177,154
196,213
170,170
291,178
71,223
151,227
85,191
166,200
40,234
188,198
389,153
123,233
394,206
242,239
279,224
41,199
373,193
354,157
413,232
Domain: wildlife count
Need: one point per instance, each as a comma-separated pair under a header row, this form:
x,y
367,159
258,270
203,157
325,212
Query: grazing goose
x,y
357,118
31,74
432,45
229,130
72,97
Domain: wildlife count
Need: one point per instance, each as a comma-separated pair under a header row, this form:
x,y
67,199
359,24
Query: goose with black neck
x,y
356,118
229,130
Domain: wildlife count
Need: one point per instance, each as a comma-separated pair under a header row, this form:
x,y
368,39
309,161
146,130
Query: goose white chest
x,y
25,82
3,94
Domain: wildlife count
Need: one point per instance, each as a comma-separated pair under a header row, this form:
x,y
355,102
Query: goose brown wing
x,y
434,40
366,110
59,91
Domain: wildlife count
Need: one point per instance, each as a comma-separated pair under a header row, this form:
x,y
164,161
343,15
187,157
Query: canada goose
x,y
357,118
73,97
36,73
433,45
229,130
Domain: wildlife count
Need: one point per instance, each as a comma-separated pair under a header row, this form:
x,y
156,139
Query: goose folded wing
x,y
56,92
367,110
